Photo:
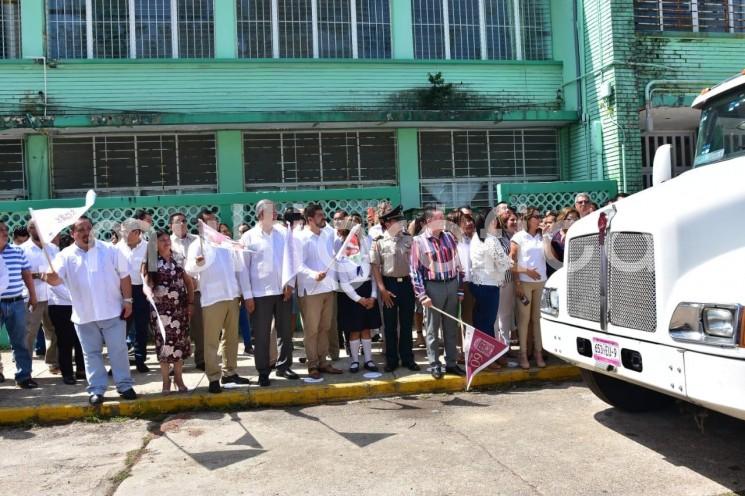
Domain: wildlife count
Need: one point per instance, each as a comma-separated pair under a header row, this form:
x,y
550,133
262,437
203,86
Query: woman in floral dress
x,y
173,292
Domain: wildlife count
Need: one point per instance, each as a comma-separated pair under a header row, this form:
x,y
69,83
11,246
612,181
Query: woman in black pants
x,y
60,311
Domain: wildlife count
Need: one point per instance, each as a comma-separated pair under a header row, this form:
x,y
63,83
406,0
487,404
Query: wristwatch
x,y
128,300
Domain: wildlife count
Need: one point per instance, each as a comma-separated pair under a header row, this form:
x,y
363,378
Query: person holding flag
x,y
269,298
97,276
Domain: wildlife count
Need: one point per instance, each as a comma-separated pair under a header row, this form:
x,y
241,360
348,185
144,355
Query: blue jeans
x,y
13,317
244,324
92,337
486,307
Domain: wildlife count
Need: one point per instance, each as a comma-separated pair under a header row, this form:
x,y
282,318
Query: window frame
x,y
516,30
316,49
287,184
733,22
22,192
136,189
16,26
133,47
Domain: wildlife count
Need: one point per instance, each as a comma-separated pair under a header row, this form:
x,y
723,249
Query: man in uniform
x,y
390,257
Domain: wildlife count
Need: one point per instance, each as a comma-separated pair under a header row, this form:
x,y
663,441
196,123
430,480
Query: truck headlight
x,y
707,323
550,301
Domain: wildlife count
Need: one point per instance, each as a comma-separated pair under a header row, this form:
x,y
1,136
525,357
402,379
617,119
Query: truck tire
x,y
624,395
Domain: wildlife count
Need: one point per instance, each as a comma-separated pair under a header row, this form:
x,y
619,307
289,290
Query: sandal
x,y
354,367
371,366
314,373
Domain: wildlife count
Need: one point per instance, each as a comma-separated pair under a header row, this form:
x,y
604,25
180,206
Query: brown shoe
x,y
420,342
314,374
54,370
330,369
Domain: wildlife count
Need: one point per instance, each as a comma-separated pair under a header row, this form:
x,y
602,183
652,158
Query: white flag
x,y
51,221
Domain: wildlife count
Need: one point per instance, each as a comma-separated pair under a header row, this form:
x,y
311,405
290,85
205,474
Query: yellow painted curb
x,y
300,395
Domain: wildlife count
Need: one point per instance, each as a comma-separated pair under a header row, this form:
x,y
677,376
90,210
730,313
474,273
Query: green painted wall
x,y
402,34
37,166
226,39
229,146
407,141
32,34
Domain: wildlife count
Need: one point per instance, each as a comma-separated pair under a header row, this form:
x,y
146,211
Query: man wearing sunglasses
x,y
583,204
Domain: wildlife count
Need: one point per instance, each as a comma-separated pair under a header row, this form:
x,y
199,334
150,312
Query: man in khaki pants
x,y
316,292
39,315
223,280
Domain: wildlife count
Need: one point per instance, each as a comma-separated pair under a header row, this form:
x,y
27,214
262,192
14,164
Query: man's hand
x,y
250,305
126,310
320,276
427,302
387,297
287,293
533,274
200,260
189,311
31,303
519,292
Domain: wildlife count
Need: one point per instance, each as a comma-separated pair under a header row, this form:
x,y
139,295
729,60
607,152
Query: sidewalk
x,y
56,401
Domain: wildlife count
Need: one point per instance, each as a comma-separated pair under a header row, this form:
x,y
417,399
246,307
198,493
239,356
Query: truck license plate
x,y
606,351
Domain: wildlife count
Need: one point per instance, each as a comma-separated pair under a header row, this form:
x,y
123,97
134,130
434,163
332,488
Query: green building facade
x,y
181,103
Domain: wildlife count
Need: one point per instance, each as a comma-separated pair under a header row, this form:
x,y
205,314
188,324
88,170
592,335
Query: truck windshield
x,y
721,133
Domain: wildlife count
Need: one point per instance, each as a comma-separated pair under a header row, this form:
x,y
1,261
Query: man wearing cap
x,y
134,249
389,257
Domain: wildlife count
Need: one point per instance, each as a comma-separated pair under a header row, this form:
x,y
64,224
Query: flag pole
x,y
447,315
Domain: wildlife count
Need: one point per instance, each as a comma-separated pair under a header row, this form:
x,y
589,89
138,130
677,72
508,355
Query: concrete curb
x,y
301,395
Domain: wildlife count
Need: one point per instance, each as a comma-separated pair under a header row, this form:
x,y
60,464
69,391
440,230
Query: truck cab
x,y
650,301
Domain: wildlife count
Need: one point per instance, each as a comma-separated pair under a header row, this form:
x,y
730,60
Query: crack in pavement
x,y
133,457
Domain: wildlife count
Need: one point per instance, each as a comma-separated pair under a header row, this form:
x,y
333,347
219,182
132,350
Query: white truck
x,y
650,301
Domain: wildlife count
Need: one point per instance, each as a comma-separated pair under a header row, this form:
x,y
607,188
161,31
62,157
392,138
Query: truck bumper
x,y
711,381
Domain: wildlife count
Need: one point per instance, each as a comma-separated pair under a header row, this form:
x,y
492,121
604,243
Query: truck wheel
x,y
624,395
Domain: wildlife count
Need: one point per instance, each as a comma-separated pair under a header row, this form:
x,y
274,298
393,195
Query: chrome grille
x,y
583,278
631,281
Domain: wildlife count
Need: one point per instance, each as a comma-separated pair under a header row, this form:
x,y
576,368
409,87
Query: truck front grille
x,y
583,278
631,282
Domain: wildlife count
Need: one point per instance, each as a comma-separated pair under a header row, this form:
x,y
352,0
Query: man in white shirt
x,y
181,240
134,250
39,314
97,276
268,300
223,280
316,292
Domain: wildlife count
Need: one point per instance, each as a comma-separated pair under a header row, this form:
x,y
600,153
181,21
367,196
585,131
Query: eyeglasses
x,y
582,202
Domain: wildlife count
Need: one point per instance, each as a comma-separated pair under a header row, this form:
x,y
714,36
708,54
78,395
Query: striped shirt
x,y
15,262
505,240
434,258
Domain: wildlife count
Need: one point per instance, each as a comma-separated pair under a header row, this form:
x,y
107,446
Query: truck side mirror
x,y
662,167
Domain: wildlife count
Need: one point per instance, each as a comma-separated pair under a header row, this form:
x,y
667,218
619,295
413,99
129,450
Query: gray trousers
x,y
444,295
268,308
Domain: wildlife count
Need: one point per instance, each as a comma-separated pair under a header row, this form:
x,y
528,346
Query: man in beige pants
x,y
39,315
316,291
223,280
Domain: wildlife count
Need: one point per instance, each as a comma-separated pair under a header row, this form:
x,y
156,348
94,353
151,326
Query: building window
x,y
327,159
113,29
463,167
325,29
705,16
12,170
142,164
482,29
10,29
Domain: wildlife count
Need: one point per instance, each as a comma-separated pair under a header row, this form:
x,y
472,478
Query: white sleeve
x,y
122,264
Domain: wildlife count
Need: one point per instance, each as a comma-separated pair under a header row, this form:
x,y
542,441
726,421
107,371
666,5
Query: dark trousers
x,y
244,325
401,314
486,307
67,340
196,330
140,320
268,308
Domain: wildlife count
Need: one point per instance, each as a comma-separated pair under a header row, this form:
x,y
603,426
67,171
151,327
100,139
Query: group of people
x,y
195,297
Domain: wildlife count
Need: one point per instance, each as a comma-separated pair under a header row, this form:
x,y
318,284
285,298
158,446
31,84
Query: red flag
x,y
481,350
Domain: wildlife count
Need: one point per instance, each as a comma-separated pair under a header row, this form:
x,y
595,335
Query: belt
x,y
441,280
11,300
398,279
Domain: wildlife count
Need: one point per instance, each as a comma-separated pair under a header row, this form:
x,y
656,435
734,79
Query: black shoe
x,y
171,373
354,367
129,394
2,377
110,372
200,366
95,399
215,387
302,360
41,354
80,374
69,380
437,371
371,366
455,370
27,384
389,367
414,367
288,374
376,338
248,350
142,368
263,380
235,379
